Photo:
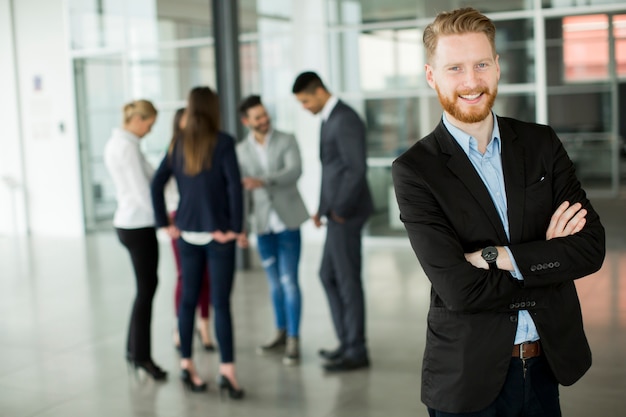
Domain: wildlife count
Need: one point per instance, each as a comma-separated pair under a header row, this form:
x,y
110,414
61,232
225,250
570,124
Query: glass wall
x,y
558,67
266,56
151,49
377,62
585,65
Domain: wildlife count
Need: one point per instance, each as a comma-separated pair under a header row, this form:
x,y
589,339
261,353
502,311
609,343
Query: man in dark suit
x,y
346,202
502,228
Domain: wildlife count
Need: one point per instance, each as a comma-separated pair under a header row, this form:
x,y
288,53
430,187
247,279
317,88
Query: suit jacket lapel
x,y
273,150
462,167
255,169
513,168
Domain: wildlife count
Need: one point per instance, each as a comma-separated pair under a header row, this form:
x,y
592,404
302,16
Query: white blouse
x,y
131,174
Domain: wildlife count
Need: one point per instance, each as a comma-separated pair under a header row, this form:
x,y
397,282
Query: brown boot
x,y
276,345
292,351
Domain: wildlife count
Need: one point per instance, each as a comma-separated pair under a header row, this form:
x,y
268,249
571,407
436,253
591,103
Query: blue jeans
x,y
280,255
220,257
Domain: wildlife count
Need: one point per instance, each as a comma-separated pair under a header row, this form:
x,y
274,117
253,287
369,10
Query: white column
x,y
310,46
13,213
44,106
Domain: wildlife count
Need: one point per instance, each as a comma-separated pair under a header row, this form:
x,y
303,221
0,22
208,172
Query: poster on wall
x,y
40,110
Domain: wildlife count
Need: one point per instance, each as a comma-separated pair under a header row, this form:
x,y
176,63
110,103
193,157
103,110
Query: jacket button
x,y
539,267
532,303
511,306
557,264
545,266
513,319
517,305
533,268
523,305
551,265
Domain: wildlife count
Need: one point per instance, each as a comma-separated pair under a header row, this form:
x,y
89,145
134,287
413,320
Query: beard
x,y
474,115
262,128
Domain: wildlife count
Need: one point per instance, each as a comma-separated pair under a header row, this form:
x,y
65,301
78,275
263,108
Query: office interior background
x,y
67,67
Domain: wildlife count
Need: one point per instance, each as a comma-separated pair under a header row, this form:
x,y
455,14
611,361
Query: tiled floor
x,y
64,306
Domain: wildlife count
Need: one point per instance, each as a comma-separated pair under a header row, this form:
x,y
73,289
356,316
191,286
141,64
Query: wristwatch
x,y
490,254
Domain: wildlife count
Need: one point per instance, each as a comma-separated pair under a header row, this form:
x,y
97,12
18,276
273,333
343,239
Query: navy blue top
x,y
209,201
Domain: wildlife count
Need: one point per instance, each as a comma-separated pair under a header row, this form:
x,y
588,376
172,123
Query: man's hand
x,y
476,259
316,220
242,240
250,183
336,218
566,220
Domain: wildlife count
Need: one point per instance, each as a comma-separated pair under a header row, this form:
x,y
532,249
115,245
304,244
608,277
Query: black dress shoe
x,y
331,355
347,364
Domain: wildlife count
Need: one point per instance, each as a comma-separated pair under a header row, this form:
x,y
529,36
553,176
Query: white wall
x,y
12,203
45,110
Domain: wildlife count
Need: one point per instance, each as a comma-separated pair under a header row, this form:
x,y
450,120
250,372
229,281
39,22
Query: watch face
x,y
490,254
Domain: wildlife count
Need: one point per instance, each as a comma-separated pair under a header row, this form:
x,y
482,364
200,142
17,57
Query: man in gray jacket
x,y
270,167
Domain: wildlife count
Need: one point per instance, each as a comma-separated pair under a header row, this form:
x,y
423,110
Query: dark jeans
x,y
144,253
280,255
535,395
220,258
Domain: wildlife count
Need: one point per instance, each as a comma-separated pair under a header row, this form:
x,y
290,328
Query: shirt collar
x,y
126,135
328,107
463,139
267,138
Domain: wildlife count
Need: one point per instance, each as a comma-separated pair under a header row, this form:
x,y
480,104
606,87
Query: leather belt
x,y
527,350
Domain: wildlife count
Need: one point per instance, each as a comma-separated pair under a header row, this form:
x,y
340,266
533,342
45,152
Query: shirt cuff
x,y
517,274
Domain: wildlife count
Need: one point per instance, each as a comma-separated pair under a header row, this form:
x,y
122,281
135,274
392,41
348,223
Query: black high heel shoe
x,y
185,376
156,372
226,385
209,347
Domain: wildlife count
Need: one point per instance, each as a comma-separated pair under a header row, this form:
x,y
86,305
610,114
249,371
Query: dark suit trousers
x,y
534,393
143,247
340,273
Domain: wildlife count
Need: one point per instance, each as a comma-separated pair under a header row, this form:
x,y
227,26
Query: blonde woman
x,y
134,224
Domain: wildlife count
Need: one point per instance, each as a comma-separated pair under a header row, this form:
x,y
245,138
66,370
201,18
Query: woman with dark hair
x,y
208,222
134,223
171,196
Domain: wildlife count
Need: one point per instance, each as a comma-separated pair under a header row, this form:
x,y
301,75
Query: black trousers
x,y
143,248
534,393
340,274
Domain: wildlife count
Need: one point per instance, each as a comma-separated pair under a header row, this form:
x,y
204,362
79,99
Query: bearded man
x,y
502,228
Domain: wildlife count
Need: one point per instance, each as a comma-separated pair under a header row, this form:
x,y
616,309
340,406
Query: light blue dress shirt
x,y
489,168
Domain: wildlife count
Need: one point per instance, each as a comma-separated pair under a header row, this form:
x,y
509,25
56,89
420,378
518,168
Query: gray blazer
x,y
344,165
280,192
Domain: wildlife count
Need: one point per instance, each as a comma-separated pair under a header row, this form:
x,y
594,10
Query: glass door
x,y
146,49
100,94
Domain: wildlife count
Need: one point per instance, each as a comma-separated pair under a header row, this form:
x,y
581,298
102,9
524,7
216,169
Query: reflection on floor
x,y
64,306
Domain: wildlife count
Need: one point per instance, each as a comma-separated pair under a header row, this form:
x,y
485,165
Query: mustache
x,y
480,90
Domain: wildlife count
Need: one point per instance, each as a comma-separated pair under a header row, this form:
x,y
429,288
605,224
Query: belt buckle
x,y
522,351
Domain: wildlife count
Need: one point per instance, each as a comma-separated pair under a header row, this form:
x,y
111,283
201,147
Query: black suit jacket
x,y
447,211
344,187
